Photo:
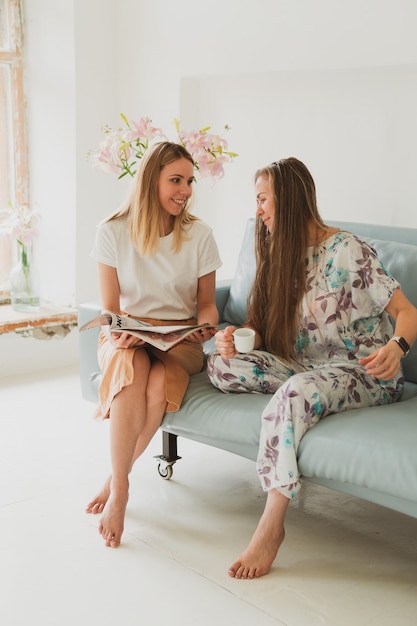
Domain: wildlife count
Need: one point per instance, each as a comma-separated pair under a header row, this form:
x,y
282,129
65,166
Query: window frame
x,y
13,57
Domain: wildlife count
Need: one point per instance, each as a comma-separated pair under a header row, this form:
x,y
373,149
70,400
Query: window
x,y
13,152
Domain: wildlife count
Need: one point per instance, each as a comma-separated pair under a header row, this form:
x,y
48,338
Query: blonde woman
x,y
156,262
321,305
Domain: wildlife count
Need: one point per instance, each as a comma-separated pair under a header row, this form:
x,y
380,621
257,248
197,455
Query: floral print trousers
x,y
301,397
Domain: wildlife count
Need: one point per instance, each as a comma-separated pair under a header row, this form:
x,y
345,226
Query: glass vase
x,y
24,282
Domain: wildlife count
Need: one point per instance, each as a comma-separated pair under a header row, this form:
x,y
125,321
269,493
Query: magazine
x,y
162,337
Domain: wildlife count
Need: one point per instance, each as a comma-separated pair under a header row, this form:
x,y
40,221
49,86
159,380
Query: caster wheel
x,y
165,471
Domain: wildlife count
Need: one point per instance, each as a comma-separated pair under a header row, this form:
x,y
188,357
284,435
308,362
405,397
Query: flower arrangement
x,y
24,223
121,149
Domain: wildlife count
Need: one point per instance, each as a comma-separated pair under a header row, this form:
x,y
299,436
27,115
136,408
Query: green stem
x,y
26,266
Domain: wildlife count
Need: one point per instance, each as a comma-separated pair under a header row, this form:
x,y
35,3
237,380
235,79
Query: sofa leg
x,y
169,446
169,455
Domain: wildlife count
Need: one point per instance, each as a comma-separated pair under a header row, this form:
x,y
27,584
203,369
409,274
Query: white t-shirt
x,y
162,286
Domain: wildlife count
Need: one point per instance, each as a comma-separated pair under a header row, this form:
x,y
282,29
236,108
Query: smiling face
x,y
175,188
265,201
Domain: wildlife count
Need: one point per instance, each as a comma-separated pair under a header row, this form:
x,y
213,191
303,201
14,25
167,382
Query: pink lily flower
x,y
121,150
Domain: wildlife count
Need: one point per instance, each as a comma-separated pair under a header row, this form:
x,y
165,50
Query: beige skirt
x,y
180,362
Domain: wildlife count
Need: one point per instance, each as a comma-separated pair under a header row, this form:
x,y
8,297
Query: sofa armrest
x,y
222,294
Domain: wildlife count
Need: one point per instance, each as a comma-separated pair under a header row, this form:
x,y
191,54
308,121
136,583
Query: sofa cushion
x,y
235,309
229,421
400,259
371,447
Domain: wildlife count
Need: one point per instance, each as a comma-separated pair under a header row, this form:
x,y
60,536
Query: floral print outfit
x,y
342,320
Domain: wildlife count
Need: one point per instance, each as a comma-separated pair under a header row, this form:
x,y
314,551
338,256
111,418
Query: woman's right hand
x,y
122,340
224,342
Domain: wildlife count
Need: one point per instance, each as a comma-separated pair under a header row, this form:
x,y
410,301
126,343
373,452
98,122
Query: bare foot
x,y
112,523
266,540
98,503
258,557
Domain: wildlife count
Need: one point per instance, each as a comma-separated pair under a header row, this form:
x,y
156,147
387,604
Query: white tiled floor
x,y
344,561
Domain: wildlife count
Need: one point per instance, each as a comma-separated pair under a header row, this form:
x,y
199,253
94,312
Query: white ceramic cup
x,y
244,339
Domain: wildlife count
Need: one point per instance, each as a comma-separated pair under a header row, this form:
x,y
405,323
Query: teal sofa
x,y
370,453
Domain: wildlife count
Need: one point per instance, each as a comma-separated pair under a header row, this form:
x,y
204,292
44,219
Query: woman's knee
x,y
141,368
155,389
305,395
141,358
220,373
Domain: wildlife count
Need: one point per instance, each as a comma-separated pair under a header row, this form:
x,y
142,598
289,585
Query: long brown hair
x,y
280,280
143,209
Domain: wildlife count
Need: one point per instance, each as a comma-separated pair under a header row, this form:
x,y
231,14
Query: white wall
x,y
289,78
91,59
356,130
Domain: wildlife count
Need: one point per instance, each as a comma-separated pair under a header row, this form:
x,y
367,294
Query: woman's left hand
x,y
202,335
383,363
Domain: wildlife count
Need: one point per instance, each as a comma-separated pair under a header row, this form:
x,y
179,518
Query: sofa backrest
x,y
396,247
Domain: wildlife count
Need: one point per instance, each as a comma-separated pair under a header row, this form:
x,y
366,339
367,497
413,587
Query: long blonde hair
x,y
280,281
143,209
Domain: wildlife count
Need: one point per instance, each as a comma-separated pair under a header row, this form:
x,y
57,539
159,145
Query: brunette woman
x,y
320,305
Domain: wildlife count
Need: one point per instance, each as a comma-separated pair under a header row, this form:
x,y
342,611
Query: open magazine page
x,y
162,337
166,340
